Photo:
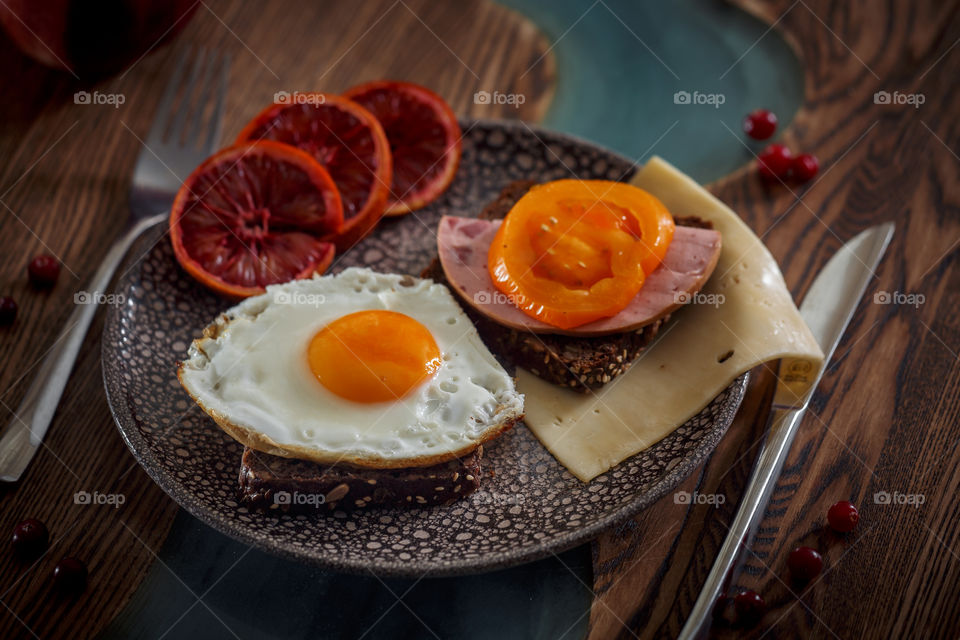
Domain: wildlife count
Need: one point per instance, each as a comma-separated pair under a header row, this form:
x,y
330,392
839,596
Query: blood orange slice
x,y
424,140
255,214
347,140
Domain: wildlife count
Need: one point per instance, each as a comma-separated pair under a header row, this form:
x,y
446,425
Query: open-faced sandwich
x,y
572,279
743,316
358,389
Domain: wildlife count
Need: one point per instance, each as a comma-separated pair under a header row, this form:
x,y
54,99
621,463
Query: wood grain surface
x,y
64,172
886,416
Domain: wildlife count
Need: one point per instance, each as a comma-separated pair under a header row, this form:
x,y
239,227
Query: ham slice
x,y
463,244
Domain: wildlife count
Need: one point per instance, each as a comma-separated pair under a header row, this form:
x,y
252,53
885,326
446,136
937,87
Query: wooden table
x,y
884,420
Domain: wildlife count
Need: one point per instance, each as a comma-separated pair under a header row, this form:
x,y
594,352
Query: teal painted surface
x,y
259,596
611,89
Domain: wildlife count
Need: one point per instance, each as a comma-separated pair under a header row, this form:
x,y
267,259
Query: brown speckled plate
x,y
531,506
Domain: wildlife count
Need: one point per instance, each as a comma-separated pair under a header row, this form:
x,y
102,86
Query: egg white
x,y
251,372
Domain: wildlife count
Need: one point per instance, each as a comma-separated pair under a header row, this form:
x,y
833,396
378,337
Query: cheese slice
x,y
743,317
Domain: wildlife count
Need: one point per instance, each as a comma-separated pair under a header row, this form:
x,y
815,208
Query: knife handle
x,y
29,424
783,425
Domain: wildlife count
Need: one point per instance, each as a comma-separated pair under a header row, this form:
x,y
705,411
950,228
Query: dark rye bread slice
x,y
287,484
580,363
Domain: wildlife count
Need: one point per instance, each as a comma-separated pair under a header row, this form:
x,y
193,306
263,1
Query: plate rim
x,y
420,567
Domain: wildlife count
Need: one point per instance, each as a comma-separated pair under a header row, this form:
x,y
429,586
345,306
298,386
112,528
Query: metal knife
x,y
827,309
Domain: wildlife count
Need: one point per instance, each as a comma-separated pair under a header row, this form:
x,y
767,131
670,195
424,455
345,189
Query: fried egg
x,y
363,368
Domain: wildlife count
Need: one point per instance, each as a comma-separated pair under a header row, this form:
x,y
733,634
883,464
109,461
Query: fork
x,y
179,139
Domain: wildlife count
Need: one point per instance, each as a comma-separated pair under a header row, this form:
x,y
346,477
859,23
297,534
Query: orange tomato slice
x,y
574,251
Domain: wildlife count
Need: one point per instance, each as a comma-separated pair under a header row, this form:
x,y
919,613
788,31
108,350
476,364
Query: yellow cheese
x,y
743,317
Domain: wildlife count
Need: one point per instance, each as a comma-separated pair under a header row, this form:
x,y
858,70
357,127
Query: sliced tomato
x,y
574,251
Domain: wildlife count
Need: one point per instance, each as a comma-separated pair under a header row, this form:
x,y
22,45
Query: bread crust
x,y
264,479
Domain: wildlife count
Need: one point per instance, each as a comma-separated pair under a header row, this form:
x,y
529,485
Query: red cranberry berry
x,y
30,538
805,563
805,167
43,271
843,517
8,310
775,162
760,124
70,575
749,606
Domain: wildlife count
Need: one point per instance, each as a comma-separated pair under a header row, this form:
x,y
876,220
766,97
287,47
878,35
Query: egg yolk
x,y
373,356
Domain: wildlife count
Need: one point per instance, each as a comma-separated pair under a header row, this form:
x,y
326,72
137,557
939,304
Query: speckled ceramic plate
x,y
529,508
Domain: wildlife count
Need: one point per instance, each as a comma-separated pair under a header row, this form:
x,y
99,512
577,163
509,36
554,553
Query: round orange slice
x,y
424,137
347,140
252,215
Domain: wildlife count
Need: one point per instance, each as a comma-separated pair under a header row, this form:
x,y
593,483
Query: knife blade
x,y
827,308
